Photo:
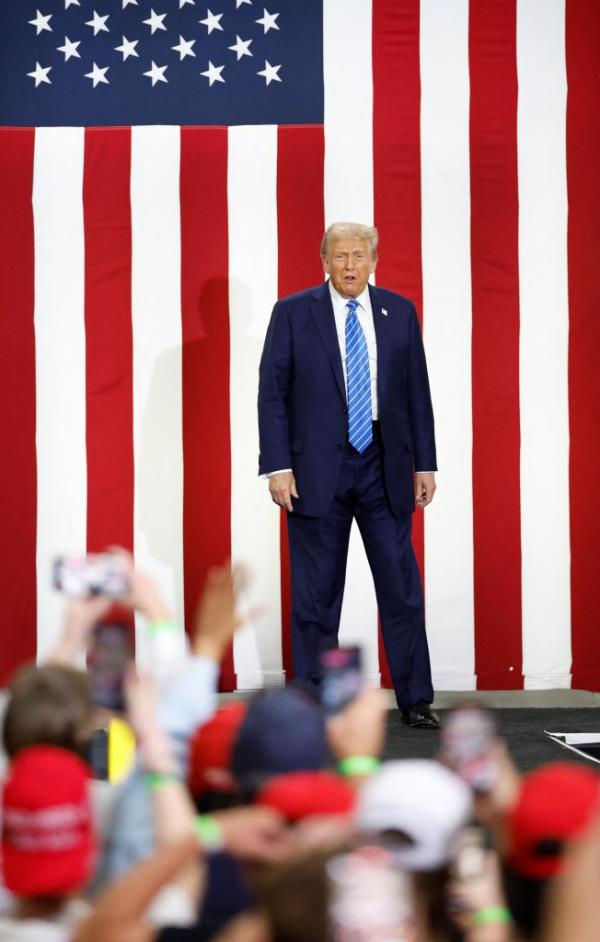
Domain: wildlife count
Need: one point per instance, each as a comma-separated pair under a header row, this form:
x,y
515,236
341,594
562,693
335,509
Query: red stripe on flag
x,y
18,480
495,344
300,222
109,344
205,365
397,172
583,182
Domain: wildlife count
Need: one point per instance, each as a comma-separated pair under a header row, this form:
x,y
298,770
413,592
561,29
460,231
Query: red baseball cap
x,y
299,795
48,845
210,750
555,805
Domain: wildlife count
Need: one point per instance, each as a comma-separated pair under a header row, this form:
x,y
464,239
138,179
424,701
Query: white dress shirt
x,y
364,313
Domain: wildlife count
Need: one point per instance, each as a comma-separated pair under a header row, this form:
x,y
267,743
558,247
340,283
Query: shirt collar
x,y
339,302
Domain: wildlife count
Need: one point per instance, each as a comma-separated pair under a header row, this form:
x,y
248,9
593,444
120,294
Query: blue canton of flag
x,y
134,62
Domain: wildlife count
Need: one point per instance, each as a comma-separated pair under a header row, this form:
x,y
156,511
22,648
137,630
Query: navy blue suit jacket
x,y
302,410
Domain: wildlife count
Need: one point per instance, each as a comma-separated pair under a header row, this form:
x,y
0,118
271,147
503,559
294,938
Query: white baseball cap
x,y
423,800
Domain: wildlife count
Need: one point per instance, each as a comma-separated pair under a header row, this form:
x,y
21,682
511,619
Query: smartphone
x,y
97,753
342,678
466,739
94,574
468,859
369,898
107,656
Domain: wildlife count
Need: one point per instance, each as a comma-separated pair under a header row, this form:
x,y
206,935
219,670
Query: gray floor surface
x,y
523,728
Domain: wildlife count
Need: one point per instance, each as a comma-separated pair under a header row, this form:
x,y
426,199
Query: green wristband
x,y
209,832
358,765
155,780
163,623
490,915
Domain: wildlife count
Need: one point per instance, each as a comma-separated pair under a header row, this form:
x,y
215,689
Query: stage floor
x,y
523,728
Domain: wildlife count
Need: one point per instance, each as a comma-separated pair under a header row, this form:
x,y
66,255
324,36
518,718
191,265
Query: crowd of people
x,y
270,820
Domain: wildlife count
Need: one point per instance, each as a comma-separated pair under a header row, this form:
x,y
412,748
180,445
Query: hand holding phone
x,y
342,677
107,657
94,574
467,736
370,898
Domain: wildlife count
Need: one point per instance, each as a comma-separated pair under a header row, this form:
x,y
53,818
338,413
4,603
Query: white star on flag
x,y
157,73
184,48
241,47
155,21
68,3
270,72
238,3
212,21
40,74
69,49
182,3
268,20
98,75
98,23
213,73
127,48
127,2
41,22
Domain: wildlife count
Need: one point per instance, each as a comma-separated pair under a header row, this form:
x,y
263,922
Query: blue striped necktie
x,y
360,428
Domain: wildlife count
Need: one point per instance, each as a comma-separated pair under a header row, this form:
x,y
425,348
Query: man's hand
x,y
80,617
282,487
144,595
254,833
359,729
217,617
480,891
424,488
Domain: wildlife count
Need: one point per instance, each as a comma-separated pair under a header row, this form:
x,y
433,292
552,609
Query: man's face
x,y
349,264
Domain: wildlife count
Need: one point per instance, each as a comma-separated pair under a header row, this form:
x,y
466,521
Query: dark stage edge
x,y
522,728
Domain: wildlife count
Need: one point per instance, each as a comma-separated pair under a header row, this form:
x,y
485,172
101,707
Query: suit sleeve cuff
x,y
269,474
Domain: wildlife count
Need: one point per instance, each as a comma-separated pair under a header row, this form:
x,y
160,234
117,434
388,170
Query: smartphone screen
x,y
94,574
97,753
107,656
342,677
369,897
469,853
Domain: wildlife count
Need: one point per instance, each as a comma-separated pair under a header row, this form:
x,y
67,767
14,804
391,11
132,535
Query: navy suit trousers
x,y
318,554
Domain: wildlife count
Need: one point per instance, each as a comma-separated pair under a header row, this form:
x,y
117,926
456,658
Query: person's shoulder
x,y
300,298
392,298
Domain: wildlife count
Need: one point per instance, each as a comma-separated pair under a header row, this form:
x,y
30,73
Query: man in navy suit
x,y
346,432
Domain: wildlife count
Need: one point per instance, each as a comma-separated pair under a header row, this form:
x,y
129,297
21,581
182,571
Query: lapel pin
x,y
384,312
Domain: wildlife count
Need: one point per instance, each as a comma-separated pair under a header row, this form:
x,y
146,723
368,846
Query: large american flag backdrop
x,y
166,171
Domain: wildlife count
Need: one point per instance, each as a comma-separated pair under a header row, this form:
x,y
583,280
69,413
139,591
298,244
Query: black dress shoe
x,y
420,716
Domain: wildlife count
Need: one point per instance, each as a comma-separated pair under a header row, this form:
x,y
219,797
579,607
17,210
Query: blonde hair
x,y
350,230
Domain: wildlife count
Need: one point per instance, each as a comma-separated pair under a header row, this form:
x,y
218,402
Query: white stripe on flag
x,y
348,171
156,323
60,363
252,212
544,396
447,324
347,69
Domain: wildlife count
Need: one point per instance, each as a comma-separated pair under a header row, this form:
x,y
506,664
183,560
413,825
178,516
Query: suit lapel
x,y
381,323
321,309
